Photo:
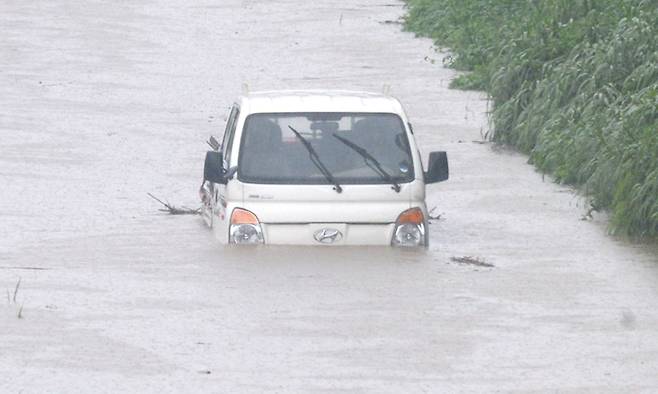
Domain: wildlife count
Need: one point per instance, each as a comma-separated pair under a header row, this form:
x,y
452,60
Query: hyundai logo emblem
x,y
327,235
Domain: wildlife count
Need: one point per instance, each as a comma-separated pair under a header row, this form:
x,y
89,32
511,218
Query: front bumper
x,y
328,234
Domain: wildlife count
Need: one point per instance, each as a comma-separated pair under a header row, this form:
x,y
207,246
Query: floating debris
x,y
471,260
433,216
175,210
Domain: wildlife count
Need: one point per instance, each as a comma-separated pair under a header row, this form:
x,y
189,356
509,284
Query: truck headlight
x,y
409,229
245,228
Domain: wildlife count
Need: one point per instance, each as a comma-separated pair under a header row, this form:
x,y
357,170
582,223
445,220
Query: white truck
x,y
318,168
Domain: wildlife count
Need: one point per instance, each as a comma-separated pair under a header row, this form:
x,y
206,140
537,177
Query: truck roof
x,y
318,101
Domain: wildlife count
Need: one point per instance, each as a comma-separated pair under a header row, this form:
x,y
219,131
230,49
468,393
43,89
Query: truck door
x,y
219,192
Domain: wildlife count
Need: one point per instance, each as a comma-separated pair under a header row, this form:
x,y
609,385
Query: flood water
x,y
104,102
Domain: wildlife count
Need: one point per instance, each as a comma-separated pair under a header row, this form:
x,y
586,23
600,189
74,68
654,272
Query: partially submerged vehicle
x,y
318,168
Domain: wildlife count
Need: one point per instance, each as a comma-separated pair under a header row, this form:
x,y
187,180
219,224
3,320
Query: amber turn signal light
x,y
413,215
242,216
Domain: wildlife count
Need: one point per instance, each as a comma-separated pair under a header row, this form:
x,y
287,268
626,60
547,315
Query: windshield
x,y
270,152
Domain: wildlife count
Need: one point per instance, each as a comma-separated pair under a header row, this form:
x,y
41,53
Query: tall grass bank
x,y
574,83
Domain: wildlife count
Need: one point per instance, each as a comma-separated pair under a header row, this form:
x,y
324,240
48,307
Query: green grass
x,y
574,83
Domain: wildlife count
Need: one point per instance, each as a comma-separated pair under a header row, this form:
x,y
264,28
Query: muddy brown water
x,y
105,102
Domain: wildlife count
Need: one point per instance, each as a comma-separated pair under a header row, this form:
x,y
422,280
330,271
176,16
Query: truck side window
x,y
227,143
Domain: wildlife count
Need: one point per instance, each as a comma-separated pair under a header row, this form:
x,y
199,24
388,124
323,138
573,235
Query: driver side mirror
x,y
437,169
213,169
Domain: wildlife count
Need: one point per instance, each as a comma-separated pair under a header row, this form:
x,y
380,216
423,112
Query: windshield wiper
x,y
316,160
370,162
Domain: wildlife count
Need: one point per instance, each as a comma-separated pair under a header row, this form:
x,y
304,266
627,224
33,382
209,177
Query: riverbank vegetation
x,y
573,83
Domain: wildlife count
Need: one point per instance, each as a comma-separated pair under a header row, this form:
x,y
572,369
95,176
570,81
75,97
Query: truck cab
x,y
319,168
